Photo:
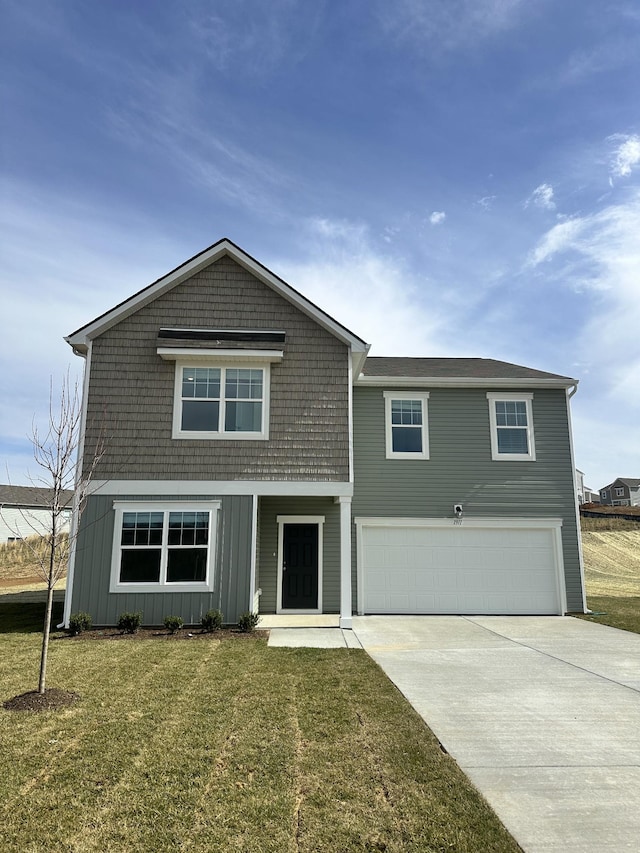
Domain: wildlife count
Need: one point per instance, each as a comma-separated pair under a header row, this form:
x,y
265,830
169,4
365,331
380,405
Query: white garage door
x,y
458,569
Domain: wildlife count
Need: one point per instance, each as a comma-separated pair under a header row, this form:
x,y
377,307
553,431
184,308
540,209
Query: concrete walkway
x,y
542,714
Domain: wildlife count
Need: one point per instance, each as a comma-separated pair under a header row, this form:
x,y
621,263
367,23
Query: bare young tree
x,y
55,450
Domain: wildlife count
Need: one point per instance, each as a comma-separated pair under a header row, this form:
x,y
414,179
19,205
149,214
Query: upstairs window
x,y
406,425
511,419
619,492
216,402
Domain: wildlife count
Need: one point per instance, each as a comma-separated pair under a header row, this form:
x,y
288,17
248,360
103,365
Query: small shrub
x,y
173,623
211,621
79,622
129,623
248,622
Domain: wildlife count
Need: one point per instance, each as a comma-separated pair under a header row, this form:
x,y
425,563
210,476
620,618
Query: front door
x,y
300,567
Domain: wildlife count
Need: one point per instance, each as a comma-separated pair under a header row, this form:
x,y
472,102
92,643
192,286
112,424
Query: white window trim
x,y
494,397
232,364
318,520
423,397
121,507
619,492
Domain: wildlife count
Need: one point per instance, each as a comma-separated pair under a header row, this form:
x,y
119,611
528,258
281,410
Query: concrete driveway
x,y
541,712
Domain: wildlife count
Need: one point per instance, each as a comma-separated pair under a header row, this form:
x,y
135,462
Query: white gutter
x,y
570,392
460,382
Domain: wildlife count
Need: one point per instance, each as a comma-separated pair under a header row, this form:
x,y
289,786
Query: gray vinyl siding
x,y
461,470
132,389
232,566
268,510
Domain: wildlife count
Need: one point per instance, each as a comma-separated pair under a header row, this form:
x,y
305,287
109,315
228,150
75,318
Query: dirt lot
x,y
612,562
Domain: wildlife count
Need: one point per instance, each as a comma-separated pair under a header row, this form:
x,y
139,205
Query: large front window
x,y
511,420
214,402
407,434
160,547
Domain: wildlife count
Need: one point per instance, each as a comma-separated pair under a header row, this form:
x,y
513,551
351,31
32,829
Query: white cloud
x,y
437,217
448,24
486,202
374,294
246,38
599,254
557,239
626,155
542,197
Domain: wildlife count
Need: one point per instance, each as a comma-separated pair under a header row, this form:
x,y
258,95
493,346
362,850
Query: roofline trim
x,y
463,382
81,337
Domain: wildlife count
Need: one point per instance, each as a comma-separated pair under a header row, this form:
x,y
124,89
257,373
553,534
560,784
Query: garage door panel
x,y
458,570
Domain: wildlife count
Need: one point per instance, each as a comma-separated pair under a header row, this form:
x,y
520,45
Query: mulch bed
x,y
51,700
163,634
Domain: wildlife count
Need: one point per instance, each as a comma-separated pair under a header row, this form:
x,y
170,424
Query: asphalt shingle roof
x,y
459,368
29,496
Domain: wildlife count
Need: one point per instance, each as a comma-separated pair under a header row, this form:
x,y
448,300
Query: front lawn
x,y
223,745
617,611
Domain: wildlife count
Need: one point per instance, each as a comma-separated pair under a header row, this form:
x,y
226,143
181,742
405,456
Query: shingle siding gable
x,y
131,389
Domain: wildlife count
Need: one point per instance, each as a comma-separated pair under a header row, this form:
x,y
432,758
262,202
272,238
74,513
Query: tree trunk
x,y
45,638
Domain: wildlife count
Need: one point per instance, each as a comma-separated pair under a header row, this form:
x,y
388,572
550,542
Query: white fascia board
x,y
359,357
80,339
459,382
275,488
476,521
198,353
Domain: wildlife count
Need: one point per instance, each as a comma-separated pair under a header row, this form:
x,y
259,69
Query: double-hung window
x,y
160,547
221,401
406,425
511,419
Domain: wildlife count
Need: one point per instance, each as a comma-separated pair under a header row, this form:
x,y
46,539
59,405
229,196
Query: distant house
x,y
25,511
585,495
625,491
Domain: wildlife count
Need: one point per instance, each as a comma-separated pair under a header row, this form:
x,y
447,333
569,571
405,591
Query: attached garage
x,y
480,565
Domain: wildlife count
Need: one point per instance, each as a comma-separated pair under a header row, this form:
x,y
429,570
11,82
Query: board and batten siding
x,y
232,566
460,468
269,509
131,389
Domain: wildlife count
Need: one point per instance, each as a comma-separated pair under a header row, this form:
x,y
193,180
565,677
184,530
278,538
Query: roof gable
x,y
631,483
80,339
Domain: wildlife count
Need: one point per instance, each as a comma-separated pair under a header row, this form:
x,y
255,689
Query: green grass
x,y
223,746
616,611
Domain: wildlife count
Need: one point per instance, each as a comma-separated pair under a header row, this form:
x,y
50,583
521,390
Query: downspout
x,y
571,390
73,532
253,592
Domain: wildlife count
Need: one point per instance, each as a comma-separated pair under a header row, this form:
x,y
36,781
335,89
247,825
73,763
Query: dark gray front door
x,y
300,567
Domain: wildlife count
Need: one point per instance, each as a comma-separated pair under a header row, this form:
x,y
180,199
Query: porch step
x,y
299,620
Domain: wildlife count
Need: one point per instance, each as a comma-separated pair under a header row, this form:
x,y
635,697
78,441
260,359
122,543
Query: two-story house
x,y
625,491
257,459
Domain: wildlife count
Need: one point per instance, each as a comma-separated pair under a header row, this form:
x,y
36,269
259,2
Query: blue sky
x,y
445,177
